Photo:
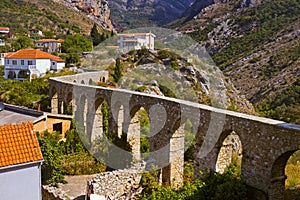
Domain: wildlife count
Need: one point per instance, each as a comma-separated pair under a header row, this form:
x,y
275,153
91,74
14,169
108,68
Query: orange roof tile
x,y
33,54
4,29
19,144
50,40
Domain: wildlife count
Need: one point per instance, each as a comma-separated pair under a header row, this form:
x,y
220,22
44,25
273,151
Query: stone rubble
x,y
119,184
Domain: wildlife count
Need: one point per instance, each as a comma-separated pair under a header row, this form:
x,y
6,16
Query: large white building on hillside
x,y
135,41
30,63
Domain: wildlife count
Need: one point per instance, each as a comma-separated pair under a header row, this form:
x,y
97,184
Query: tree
x,y
72,58
21,43
49,34
117,70
96,36
76,43
52,172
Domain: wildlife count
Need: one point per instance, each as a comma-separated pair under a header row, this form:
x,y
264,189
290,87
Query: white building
x,y
4,30
30,63
131,41
49,45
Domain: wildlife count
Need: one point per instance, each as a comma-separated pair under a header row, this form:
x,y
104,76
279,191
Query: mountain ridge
x,y
141,13
257,47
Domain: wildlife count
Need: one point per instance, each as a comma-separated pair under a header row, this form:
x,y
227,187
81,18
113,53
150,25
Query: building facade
x,y
135,41
30,63
49,45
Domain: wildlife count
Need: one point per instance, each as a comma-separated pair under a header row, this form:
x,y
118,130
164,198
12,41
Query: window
x,y
53,63
29,62
22,62
14,62
57,127
7,62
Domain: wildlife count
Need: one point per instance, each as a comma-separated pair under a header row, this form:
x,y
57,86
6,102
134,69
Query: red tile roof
x,y
50,40
18,144
4,29
33,54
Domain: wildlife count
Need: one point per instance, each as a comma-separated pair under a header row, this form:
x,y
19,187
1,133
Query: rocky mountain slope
x,y
96,10
140,13
168,74
56,16
200,6
256,44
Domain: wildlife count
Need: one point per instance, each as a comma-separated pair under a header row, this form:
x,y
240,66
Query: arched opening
x,y
54,101
138,134
120,121
24,74
292,171
144,122
103,79
230,153
82,82
12,75
278,180
82,113
90,82
100,121
68,105
189,141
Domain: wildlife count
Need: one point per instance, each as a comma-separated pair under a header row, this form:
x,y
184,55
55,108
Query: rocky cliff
x,y
201,5
97,10
140,13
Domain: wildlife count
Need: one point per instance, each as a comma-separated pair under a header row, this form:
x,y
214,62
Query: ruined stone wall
x,y
119,184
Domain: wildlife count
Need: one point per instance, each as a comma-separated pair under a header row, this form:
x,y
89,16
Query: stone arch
x,y
82,112
98,121
190,132
90,81
68,104
82,82
54,101
103,79
229,152
120,120
139,133
278,177
74,81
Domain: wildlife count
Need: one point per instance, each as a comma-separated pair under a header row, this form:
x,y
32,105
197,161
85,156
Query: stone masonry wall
x,y
119,184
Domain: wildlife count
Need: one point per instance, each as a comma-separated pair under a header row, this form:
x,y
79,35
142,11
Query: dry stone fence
x,y
264,145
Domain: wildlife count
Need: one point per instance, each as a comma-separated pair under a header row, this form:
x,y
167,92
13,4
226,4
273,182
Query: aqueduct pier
x,y
266,144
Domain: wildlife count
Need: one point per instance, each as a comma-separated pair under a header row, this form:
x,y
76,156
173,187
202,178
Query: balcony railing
x,y
17,67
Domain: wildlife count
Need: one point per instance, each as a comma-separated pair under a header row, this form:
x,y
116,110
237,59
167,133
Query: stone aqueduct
x,y
266,144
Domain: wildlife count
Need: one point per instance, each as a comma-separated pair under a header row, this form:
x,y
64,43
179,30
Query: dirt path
x,y
76,186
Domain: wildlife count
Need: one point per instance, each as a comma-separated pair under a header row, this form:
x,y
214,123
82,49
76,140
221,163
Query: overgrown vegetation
x,y
68,157
285,106
45,15
213,185
29,94
270,20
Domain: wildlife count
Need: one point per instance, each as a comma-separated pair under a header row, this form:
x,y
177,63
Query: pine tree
x,y
95,35
117,71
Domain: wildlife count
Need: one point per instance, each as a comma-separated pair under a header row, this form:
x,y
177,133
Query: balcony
x,y
17,67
